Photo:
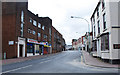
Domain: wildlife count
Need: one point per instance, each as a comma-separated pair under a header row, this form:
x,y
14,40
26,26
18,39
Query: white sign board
x,y
11,42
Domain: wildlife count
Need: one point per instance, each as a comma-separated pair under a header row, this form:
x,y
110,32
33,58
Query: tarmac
x,y
88,60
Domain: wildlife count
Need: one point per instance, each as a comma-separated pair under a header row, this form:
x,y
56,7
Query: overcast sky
x,y
60,12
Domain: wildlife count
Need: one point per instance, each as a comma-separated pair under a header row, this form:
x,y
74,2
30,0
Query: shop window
x,y
105,42
29,48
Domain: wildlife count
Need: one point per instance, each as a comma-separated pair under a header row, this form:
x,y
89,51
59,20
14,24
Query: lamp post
x,y
88,30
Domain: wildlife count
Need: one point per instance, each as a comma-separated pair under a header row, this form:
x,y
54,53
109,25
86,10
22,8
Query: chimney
x,y
37,15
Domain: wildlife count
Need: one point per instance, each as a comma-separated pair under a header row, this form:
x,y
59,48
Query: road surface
x,y
64,62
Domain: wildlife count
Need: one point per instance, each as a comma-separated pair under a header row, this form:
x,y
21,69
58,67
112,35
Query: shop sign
x,y
32,41
43,43
116,46
11,42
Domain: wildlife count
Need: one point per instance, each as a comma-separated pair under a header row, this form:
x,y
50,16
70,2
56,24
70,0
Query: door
x,y
21,50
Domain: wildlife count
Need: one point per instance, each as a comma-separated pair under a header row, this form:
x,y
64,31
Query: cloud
x,y
60,12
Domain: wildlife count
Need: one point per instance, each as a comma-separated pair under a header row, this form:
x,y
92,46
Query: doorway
x,y
21,50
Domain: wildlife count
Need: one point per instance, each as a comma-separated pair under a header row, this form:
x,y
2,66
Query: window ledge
x,y
106,51
104,30
103,9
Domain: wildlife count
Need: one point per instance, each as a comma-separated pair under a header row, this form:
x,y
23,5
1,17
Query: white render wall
x,y
114,20
112,11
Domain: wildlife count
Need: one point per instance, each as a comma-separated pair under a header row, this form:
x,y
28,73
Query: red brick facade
x,y
20,26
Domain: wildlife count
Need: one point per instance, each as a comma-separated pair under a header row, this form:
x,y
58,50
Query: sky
x,y
60,11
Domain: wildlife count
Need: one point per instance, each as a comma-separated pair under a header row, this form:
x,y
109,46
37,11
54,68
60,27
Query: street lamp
x,y
88,29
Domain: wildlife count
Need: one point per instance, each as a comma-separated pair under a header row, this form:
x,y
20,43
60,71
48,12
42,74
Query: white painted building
x,y
105,22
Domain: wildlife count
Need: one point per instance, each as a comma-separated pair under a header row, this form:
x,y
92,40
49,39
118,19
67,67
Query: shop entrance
x,y
21,50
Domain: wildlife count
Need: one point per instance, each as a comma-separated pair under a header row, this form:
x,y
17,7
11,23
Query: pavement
x,y
92,61
21,59
88,60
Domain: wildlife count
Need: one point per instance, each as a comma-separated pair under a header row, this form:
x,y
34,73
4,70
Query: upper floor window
x,y
50,31
103,4
34,23
34,32
45,36
98,12
94,19
38,34
98,26
29,31
30,20
94,31
39,25
43,27
104,21
22,23
22,16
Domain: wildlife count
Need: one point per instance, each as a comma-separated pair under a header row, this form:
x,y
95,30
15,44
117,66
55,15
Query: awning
x,y
46,46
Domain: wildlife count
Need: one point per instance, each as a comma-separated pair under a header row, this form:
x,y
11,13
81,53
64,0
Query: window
x,y
38,34
94,19
29,31
98,12
45,36
43,27
94,31
95,46
22,23
21,32
104,21
50,31
34,23
30,20
22,16
105,42
98,27
39,25
103,4
34,32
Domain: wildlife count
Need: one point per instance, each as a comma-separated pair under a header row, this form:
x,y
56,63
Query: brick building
x,y
58,42
24,33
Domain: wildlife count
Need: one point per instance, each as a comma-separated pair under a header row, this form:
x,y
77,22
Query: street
x,y
64,62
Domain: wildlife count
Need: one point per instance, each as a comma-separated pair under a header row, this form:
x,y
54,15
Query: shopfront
x,y
37,48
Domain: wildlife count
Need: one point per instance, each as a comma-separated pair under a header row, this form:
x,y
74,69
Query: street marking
x,y
44,61
17,69
47,60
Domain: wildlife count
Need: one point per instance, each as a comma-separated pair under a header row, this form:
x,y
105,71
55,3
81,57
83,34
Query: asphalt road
x,y
64,62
